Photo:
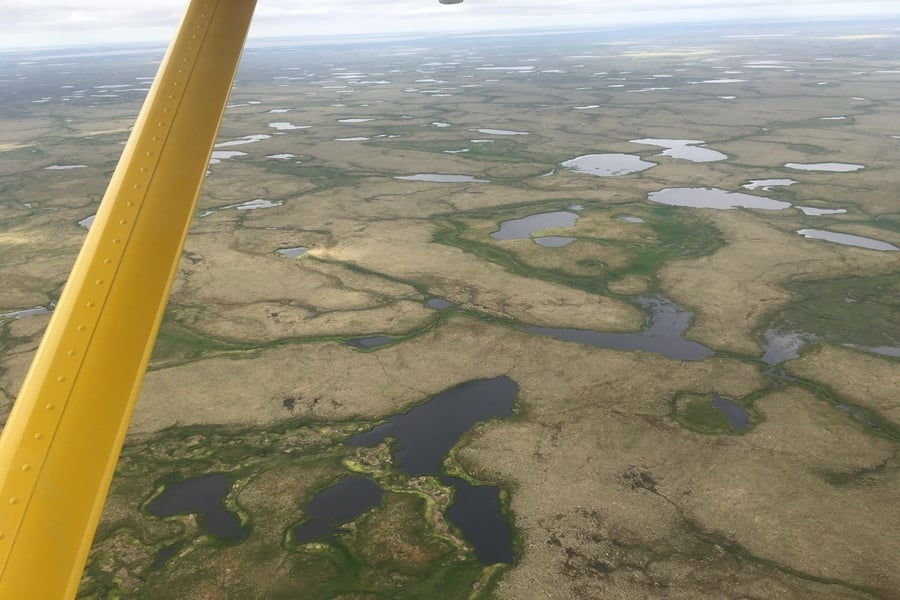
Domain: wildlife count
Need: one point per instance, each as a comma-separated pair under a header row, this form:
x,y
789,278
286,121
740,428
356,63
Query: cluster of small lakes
x,y
603,165
320,516
424,435
421,438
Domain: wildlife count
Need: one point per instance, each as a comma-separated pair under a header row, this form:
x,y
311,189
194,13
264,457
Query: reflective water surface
x,y
692,150
848,240
553,241
713,198
831,166
350,497
663,329
204,496
292,252
521,229
738,417
425,435
441,178
608,165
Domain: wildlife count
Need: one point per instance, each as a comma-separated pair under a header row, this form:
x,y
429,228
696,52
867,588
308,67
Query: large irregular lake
x,y
714,198
425,435
204,496
350,497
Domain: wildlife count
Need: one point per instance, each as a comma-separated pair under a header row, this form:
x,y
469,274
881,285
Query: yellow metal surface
x,y
60,445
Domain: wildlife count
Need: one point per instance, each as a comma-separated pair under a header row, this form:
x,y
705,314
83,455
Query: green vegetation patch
x,y
605,247
713,414
402,548
831,309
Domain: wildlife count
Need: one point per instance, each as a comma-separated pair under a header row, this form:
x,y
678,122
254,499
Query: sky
x,y
54,23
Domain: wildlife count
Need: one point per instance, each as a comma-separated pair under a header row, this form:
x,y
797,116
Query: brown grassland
x,y
618,475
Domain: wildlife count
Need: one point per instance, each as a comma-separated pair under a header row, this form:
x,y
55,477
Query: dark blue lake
x,y
203,496
425,435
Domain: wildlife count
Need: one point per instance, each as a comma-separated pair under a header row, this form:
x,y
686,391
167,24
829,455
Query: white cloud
x,y
62,22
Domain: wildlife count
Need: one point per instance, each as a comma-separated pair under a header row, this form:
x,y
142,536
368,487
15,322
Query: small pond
x,y
847,240
883,350
818,212
500,132
28,312
220,155
292,252
163,555
441,178
608,165
830,166
780,345
64,167
766,185
553,241
254,204
372,341
247,139
286,126
521,229
738,417
438,303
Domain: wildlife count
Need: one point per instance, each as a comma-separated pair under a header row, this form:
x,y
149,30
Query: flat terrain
x,y
624,474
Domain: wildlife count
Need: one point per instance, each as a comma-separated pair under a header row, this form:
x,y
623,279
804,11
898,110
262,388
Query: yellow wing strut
x,y
61,443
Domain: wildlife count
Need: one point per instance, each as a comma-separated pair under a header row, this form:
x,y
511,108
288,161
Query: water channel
x,y
663,328
372,341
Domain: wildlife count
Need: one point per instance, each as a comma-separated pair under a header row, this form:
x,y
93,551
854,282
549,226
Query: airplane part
x,y
59,448
60,445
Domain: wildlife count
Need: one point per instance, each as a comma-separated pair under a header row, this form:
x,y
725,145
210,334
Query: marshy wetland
x,y
625,269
